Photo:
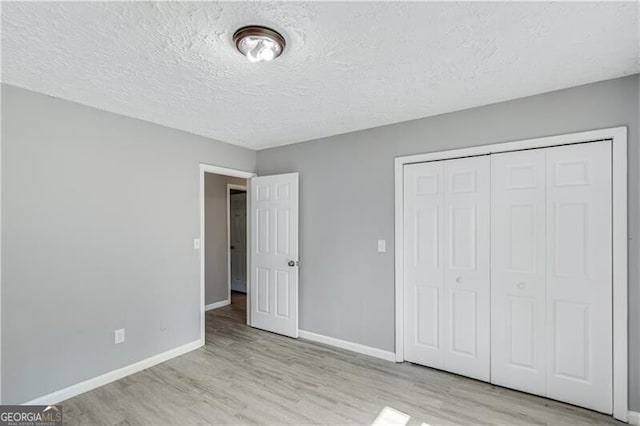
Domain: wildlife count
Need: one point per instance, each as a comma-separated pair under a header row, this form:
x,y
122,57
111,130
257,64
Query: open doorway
x,y
224,241
237,246
237,201
271,301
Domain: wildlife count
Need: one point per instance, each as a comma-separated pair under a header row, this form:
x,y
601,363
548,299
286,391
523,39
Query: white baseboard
x,y
350,346
112,376
634,418
216,305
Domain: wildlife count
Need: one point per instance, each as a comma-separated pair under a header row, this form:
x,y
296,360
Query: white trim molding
x,y
207,168
618,136
350,346
216,305
112,376
634,418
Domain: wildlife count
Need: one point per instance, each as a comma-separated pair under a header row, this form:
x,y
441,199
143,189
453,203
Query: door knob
x,y
459,280
521,285
291,263
233,247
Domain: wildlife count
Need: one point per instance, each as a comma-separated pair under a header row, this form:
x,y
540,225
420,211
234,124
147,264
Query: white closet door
x,y
465,303
579,281
423,262
518,272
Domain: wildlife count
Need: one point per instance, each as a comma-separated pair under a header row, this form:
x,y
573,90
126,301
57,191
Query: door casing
x,y
618,136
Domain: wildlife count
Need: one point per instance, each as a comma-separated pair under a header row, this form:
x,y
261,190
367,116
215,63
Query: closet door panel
x,y
518,265
465,307
424,272
579,275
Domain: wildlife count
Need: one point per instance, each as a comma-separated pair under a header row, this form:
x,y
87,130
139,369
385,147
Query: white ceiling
x,y
347,66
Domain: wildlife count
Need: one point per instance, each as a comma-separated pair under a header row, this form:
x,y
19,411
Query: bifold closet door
x,y
424,263
466,306
447,265
518,270
579,275
551,273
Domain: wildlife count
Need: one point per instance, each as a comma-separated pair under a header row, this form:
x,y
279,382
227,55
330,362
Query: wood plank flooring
x,y
247,376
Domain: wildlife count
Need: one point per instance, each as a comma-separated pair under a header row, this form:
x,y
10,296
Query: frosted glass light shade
x,y
259,44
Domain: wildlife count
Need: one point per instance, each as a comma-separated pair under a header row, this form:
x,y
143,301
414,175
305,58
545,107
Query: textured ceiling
x,y
347,66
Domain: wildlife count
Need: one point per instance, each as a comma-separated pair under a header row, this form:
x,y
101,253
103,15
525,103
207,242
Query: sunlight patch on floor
x,y
390,417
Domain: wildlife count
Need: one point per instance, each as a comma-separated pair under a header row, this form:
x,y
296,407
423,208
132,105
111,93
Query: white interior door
x,y
518,270
579,275
274,253
424,262
447,265
238,240
466,301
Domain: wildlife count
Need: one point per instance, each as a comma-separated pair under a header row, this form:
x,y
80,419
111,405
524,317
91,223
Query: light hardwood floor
x,y
248,376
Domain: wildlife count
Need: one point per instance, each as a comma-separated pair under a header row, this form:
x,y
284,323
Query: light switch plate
x,y
118,335
196,243
382,246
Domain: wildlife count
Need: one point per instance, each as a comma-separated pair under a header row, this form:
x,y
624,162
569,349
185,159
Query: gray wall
x,y
215,227
347,202
99,212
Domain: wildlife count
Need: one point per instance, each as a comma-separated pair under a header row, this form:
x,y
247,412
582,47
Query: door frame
x,y
237,187
225,171
618,136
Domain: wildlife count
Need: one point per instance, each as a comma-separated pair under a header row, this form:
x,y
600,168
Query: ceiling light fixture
x,y
259,43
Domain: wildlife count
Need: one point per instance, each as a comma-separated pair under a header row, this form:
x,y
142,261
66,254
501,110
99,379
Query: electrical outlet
x,y
119,335
382,246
